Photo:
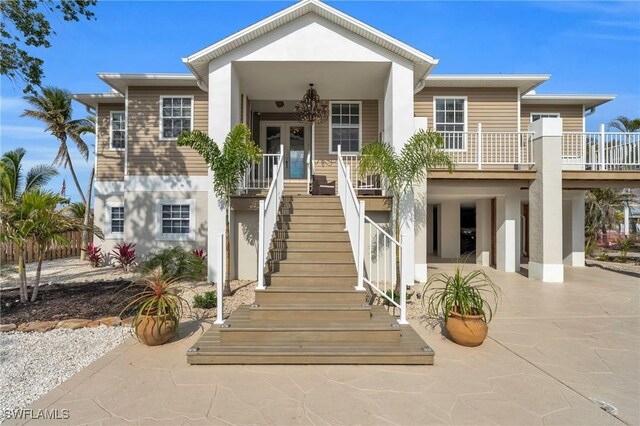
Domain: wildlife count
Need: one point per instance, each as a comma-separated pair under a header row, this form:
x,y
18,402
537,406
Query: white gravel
x,y
32,364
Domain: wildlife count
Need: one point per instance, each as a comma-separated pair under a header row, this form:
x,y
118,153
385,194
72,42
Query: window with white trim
x,y
118,130
176,115
535,116
117,219
176,218
345,126
450,118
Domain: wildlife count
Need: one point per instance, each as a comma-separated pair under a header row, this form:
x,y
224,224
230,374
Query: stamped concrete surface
x,y
552,347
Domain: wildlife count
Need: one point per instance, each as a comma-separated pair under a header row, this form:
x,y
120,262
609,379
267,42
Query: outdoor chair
x,y
322,187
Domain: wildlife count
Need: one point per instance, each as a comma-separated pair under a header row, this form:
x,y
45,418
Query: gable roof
x,y
198,62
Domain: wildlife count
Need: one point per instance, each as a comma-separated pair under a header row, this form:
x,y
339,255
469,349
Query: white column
x,y
508,233
545,202
224,113
420,216
398,128
450,234
483,232
573,228
625,227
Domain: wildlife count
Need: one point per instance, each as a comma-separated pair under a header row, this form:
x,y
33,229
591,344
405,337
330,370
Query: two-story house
x,y
523,159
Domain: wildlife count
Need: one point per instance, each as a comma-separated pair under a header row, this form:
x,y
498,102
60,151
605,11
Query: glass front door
x,y
293,137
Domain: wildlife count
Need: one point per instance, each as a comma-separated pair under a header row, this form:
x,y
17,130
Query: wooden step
x,y
304,227
315,212
280,243
317,295
311,219
305,313
281,279
301,254
316,235
312,267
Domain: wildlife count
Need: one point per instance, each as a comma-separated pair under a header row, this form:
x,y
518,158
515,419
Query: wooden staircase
x,y
310,312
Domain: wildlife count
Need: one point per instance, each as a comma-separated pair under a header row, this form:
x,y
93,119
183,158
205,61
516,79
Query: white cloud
x,y
13,131
12,104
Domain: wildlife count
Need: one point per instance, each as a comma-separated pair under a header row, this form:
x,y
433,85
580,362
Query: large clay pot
x,y
468,332
149,333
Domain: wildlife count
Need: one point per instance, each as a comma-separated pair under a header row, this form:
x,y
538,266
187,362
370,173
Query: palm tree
x,y
228,165
400,171
12,181
626,124
53,107
601,210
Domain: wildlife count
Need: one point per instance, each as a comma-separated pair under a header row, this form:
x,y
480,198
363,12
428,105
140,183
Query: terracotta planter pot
x,y
470,332
149,333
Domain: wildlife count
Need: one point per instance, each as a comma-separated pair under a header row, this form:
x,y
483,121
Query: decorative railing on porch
x,y
601,150
260,175
380,272
268,215
367,185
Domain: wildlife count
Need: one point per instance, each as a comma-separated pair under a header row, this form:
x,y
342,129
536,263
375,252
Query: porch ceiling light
x,y
311,109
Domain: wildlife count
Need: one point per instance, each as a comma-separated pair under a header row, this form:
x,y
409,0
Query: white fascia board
x,y
119,82
93,99
588,101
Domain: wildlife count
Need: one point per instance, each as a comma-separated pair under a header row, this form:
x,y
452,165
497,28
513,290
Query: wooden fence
x,y
9,252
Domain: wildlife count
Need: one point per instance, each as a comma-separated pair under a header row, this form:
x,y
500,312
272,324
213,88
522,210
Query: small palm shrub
x,y
624,245
176,263
124,256
94,254
207,300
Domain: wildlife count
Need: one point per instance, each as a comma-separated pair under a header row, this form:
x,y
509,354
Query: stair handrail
x,y
353,211
268,215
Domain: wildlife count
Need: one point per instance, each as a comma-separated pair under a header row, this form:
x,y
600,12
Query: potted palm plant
x,y
157,309
466,301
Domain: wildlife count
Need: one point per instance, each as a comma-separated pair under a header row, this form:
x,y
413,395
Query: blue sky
x,y
587,47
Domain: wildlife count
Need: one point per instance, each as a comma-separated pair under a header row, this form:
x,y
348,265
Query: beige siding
x,y
147,154
495,108
572,116
325,162
110,163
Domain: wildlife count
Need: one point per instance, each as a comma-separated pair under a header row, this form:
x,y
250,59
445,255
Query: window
x,y
117,220
450,118
345,126
118,130
535,116
176,219
176,115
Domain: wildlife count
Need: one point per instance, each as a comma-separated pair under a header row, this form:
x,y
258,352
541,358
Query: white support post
x,y
219,281
479,146
261,233
403,287
360,259
602,147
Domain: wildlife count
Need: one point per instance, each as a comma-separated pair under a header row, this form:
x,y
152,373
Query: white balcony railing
x,y
601,150
260,175
364,185
268,215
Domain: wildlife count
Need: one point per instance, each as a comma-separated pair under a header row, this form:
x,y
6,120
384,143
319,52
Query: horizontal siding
x,y
110,163
495,108
571,115
147,154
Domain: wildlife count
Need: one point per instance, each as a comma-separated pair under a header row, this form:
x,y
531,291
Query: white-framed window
x,y
176,219
450,117
118,130
114,220
345,126
535,116
176,115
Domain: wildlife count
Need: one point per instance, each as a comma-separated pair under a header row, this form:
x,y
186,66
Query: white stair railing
x,y
268,217
220,280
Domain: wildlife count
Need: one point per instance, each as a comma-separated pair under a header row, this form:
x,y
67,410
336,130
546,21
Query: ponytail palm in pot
x,y
466,301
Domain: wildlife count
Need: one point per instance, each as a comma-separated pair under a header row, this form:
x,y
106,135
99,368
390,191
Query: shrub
x,y
624,245
176,263
95,255
124,255
207,300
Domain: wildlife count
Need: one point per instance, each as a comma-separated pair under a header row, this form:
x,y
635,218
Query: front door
x,y
294,138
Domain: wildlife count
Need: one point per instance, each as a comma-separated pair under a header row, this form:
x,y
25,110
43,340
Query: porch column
x,y
573,228
450,235
545,202
508,233
398,128
483,232
420,215
224,113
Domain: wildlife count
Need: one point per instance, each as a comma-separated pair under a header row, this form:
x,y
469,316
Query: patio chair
x,y
322,187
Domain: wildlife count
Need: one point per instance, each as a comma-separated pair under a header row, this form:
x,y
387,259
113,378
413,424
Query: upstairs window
x,y
450,118
535,116
345,126
118,130
176,115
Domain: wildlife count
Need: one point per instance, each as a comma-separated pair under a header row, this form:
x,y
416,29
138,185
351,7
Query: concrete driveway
x,y
553,351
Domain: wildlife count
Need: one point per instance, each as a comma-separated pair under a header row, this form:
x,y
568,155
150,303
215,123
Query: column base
x,y
548,273
420,273
483,259
575,259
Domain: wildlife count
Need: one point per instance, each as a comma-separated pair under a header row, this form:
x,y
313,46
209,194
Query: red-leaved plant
x,y
124,255
199,253
95,255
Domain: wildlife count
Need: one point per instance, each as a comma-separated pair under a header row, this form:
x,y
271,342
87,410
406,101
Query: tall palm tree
x,y
626,124
12,181
53,107
228,165
400,171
